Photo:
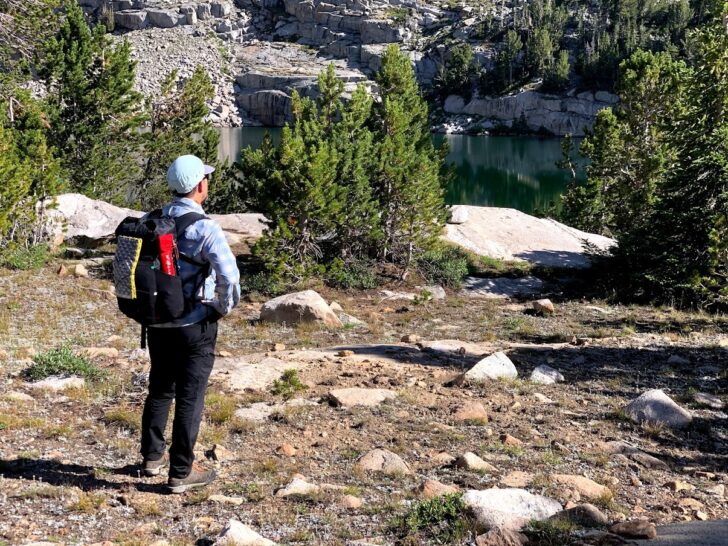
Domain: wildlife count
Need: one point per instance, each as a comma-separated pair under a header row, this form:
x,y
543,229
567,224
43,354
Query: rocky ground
x,y
69,458
258,51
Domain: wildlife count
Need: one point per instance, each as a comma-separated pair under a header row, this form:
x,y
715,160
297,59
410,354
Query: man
x,y
182,352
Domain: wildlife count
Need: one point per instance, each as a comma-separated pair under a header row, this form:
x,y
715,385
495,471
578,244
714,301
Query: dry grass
x,y
87,503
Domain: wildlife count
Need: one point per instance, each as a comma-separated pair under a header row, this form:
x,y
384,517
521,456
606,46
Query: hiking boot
x,y
153,468
198,477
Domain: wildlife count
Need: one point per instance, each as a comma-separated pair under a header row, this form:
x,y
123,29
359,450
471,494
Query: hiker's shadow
x,y
86,478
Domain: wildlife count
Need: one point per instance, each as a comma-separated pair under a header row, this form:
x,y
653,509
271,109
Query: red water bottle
x,y
166,254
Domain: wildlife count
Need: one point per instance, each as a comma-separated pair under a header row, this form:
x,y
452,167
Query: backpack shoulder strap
x,y
186,220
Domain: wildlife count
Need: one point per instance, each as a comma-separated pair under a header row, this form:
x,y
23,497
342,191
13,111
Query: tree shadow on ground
x,y
59,474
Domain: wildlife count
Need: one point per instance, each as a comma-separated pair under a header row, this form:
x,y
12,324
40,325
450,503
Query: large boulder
x,y
495,366
75,217
509,234
131,20
163,18
654,406
508,508
306,306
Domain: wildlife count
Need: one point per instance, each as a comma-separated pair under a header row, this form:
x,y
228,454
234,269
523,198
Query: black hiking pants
x,y
182,359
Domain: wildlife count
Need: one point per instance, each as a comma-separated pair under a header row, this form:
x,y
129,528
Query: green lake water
x,y
515,172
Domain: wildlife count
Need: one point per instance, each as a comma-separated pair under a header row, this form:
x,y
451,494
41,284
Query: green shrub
x,y
556,532
25,258
62,361
288,385
442,520
447,265
263,283
357,274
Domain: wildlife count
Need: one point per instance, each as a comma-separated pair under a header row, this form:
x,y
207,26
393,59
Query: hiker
x,y
182,351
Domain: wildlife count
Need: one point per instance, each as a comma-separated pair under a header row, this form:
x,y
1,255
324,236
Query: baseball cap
x,y
186,172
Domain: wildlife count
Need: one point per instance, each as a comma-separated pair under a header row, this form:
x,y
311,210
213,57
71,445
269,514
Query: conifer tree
x,y
407,175
557,77
93,107
177,126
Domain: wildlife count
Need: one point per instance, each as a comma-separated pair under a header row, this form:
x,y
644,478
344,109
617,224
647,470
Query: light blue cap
x,y
186,172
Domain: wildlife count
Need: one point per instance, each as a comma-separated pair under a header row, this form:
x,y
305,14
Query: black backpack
x,y
144,291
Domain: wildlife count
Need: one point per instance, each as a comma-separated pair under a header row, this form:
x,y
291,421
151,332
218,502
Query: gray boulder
x,y
305,306
220,9
163,18
131,20
204,11
654,406
546,375
495,366
508,508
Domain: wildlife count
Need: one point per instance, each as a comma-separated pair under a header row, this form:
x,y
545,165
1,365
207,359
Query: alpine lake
x,y
500,171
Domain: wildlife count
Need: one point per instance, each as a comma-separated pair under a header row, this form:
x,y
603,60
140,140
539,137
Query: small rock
x,y
690,503
382,461
220,453
544,307
655,406
517,478
677,485
224,354
443,458
287,450
678,360
57,384
222,499
471,461
277,347
634,529
298,488
411,338
585,486
718,490
430,489
545,375
80,271
496,366
238,534
17,396
344,354
501,537
584,515
709,400
543,398
350,502
473,412
508,440
702,516
62,271
100,352
360,397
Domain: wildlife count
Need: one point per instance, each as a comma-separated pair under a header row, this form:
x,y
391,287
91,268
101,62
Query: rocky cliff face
x,y
259,51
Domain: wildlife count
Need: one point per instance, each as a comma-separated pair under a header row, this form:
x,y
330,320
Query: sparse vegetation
x,y
62,361
288,385
441,519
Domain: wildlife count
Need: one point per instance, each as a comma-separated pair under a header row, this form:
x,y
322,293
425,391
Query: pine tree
x,y
407,175
557,77
682,252
177,126
456,76
540,52
29,168
507,61
628,150
93,107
